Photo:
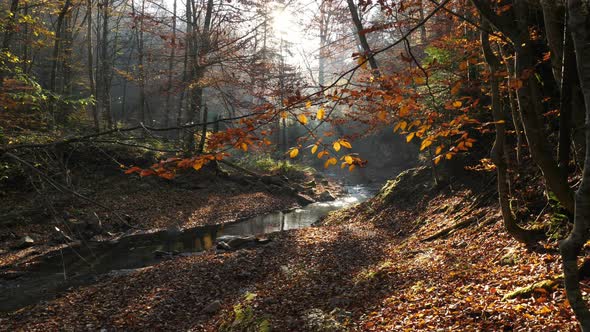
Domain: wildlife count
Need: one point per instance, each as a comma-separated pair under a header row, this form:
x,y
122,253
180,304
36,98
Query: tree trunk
x,y
498,152
564,70
513,103
90,60
579,22
8,33
105,64
204,49
362,38
140,54
55,59
529,95
167,106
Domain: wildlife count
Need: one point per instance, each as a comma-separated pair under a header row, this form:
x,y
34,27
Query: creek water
x,y
88,262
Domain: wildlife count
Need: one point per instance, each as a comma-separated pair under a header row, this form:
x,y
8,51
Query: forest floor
x,y
366,268
121,204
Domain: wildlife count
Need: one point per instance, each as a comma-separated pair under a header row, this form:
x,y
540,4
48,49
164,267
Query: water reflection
x,y
80,265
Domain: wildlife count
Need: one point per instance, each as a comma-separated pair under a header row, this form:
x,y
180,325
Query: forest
x,y
294,165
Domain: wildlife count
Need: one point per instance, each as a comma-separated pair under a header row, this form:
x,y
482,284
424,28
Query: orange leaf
x,y
133,170
404,111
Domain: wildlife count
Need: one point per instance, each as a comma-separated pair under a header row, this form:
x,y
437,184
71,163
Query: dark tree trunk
x,y
59,34
8,33
106,65
167,106
361,37
206,44
529,95
498,153
579,22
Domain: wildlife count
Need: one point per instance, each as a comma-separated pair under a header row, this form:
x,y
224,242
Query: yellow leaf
x,y
362,61
449,155
382,115
438,149
409,137
321,154
198,165
437,160
343,165
331,161
345,144
314,148
419,80
284,114
403,125
320,114
336,146
348,160
244,146
426,143
294,152
457,104
308,104
302,118
351,168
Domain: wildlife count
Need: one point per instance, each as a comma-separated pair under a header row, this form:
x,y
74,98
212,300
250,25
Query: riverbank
x,y
34,222
386,264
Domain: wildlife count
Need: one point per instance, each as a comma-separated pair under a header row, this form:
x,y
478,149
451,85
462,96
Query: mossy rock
x,y
407,183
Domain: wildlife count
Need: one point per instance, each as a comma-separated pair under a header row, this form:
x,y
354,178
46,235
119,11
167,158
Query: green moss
x,y
542,286
267,164
243,318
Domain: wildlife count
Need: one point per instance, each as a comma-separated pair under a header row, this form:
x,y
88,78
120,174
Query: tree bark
x,y
206,44
362,38
167,106
55,60
8,33
579,22
498,152
564,70
529,94
105,64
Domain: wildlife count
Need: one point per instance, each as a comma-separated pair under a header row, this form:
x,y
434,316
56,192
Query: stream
x,y
74,266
